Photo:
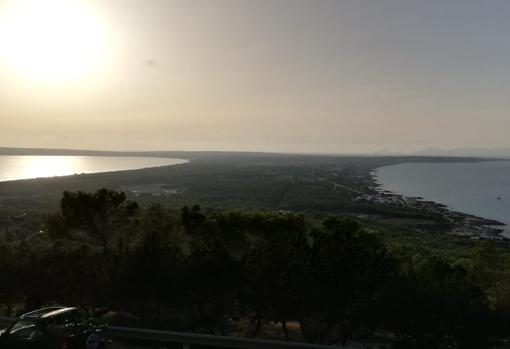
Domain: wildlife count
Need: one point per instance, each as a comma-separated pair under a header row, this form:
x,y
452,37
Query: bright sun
x,y
50,40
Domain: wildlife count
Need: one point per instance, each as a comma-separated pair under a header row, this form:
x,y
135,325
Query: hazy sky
x,y
298,76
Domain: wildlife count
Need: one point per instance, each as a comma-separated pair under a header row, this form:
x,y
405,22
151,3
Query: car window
x,y
60,324
24,329
80,317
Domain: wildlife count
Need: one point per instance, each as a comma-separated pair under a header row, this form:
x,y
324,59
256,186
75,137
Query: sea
x,y
477,188
25,167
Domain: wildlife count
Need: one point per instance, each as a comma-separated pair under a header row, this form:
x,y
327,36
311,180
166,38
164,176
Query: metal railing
x,y
188,340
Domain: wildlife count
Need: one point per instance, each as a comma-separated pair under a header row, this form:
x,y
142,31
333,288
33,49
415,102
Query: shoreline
x,y
463,224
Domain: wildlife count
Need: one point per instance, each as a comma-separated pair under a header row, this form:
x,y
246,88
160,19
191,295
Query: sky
x,y
306,76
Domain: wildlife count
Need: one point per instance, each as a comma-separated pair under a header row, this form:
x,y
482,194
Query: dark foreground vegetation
x,y
242,273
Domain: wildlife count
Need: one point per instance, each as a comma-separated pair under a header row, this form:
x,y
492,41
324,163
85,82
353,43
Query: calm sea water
x,y
472,188
23,167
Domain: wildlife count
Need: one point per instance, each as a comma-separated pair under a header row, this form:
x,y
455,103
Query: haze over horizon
x,y
324,76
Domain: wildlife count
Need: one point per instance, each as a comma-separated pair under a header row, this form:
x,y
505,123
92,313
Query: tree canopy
x,y
224,272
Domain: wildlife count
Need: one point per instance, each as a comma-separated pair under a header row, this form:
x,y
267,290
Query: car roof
x,y
46,312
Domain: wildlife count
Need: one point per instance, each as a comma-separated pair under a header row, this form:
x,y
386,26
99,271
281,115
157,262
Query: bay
x,y
25,167
478,188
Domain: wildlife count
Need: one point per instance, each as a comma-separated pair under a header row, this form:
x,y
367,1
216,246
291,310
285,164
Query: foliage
x,y
194,270
95,217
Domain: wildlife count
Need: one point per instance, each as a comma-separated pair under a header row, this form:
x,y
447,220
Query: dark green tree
x,y
348,272
150,276
437,305
95,218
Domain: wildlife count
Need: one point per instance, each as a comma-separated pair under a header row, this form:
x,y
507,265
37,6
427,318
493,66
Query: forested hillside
x,y
255,274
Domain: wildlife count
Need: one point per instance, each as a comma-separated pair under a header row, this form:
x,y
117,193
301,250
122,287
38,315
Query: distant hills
x,y
500,153
467,152
45,151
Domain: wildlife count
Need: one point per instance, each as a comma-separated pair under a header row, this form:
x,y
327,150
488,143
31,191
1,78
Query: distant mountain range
x,y
467,152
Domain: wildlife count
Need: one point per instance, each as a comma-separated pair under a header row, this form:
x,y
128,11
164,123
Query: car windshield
x,y
60,324
24,329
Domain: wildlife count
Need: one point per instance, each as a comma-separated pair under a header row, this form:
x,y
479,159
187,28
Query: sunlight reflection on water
x,y
24,167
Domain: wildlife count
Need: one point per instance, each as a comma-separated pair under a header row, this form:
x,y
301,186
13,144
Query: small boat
x,y
498,198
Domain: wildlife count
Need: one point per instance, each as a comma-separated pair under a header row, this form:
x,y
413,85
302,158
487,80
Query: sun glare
x,y
47,166
50,40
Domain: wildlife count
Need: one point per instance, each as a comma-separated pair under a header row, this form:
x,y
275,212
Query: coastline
x,y
463,224
355,187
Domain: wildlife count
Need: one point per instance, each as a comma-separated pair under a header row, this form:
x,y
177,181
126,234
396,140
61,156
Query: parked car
x,y
53,328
